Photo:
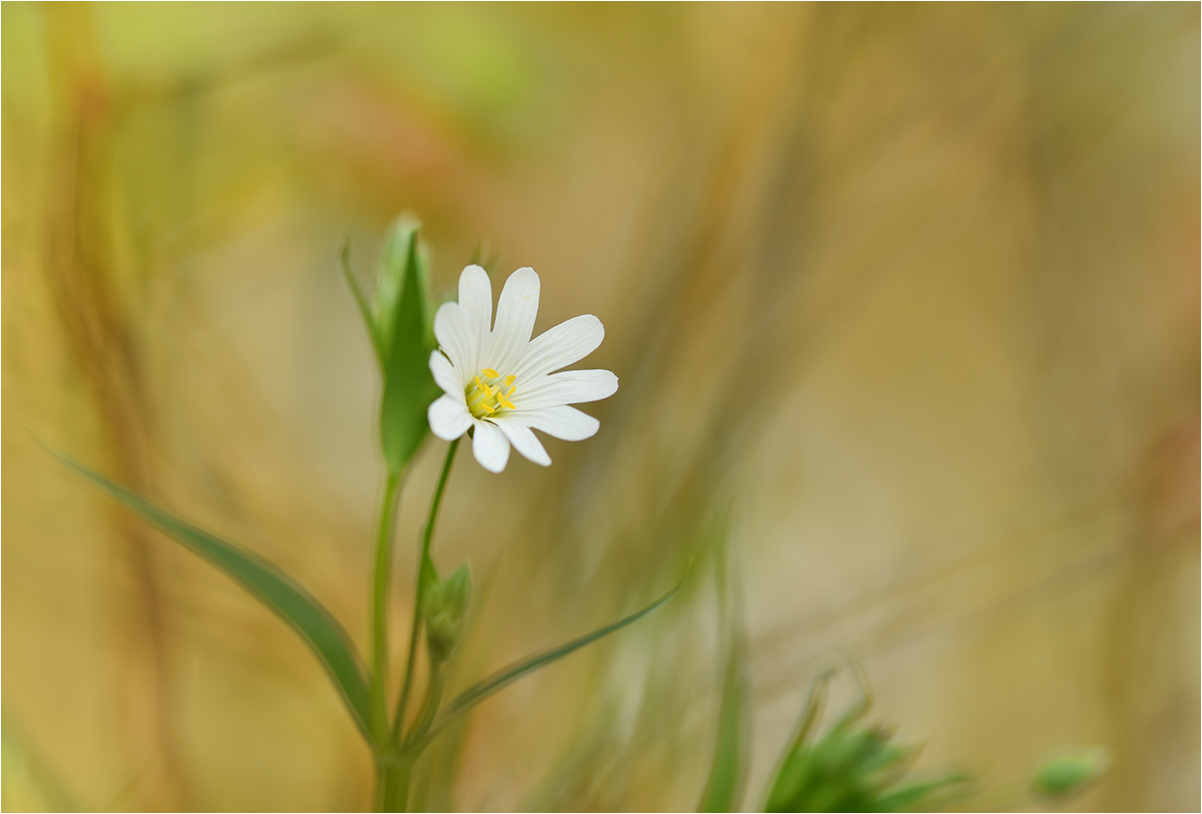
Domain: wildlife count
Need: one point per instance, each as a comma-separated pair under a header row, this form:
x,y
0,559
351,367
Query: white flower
x,y
503,383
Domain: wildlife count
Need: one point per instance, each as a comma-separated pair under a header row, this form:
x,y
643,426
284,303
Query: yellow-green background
x,y
911,292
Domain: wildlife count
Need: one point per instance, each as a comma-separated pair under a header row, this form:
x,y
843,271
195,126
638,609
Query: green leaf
x,y
504,677
402,241
292,603
403,316
909,797
369,319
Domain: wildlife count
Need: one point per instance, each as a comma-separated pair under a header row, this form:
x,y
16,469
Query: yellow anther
x,y
486,400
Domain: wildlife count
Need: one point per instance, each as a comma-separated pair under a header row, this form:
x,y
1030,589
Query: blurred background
x,y
903,300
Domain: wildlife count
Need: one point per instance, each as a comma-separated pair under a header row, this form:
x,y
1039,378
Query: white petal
x,y
563,422
523,440
516,311
454,333
475,298
566,343
449,417
569,387
446,376
490,446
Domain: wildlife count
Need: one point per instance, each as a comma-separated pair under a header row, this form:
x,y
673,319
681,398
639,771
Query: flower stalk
x,y
419,592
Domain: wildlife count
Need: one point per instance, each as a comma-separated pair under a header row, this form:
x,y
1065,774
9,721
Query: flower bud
x,y
1069,772
445,608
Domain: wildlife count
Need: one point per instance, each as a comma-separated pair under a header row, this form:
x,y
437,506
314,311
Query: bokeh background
x,y
905,298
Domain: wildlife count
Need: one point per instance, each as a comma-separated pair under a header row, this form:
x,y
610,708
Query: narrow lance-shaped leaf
x,y
504,677
407,340
908,798
403,254
292,603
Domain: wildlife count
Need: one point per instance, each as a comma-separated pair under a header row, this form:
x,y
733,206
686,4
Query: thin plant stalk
x,y
418,594
429,706
394,763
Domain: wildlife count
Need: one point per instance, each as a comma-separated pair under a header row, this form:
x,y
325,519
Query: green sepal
x,y
277,591
403,317
446,606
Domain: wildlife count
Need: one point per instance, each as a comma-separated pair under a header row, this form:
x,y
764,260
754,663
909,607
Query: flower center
x,y
489,393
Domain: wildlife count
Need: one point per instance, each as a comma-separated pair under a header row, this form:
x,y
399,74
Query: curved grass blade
x,y
507,675
275,589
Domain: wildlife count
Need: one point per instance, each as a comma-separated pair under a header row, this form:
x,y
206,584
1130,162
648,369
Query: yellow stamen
x,y
486,400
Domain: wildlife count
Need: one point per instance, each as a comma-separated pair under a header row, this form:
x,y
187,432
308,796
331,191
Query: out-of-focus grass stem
x,y
84,270
381,583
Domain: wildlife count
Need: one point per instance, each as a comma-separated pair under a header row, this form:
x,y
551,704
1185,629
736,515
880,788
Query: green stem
x,y
398,723
382,578
392,782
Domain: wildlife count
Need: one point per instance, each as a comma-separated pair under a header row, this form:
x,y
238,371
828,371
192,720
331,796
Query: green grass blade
x,y
504,677
292,603
724,789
